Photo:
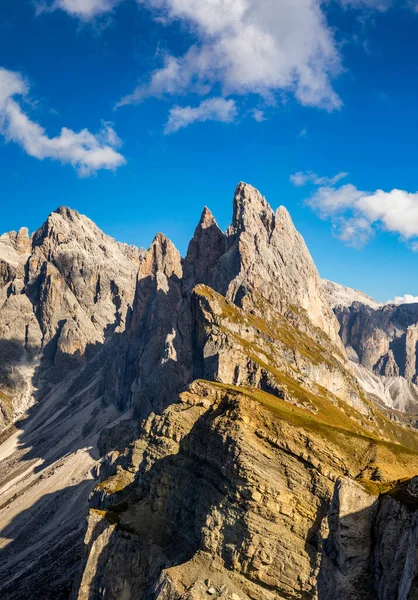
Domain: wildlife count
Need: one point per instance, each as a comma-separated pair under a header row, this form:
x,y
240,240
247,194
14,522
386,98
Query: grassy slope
x,y
395,449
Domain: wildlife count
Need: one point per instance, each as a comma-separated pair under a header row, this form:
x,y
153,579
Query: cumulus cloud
x,y
356,214
354,231
406,299
213,109
301,178
82,9
86,152
248,46
269,48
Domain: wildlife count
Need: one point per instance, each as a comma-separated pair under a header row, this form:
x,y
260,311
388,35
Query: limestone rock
x,y
410,352
371,549
387,365
78,273
205,249
155,355
268,257
382,339
346,568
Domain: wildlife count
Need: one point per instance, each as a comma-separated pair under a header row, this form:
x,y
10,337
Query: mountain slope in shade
x,y
207,407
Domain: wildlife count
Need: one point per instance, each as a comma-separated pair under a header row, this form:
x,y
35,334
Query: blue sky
x,y
139,113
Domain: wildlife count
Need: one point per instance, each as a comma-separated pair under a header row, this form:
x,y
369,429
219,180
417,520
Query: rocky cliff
x,y
381,340
207,407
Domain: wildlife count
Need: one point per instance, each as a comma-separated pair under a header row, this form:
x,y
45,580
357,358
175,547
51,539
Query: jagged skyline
x,y
123,110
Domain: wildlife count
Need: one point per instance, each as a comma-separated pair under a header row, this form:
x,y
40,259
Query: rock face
x,y
381,340
273,260
81,283
62,292
371,548
208,408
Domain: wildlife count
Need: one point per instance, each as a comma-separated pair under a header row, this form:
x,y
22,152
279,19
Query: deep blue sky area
x,y
77,64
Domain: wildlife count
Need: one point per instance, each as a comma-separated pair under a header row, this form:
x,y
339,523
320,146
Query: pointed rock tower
x,y
266,258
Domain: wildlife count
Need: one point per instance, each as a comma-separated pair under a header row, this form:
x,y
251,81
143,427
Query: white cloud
x,y
270,48
406,299
86,152
303,133
82,9
303,177
248,46
258,115
354,231
213,109
331,180
356,214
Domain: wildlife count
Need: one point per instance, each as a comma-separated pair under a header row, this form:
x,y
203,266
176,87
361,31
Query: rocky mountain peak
x,y
69,213
14,246
162,257
266,257
22,241
250,211
206,219
340,295
205,249
284,222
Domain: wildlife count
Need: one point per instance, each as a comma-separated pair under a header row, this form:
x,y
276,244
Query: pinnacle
x,y
67,212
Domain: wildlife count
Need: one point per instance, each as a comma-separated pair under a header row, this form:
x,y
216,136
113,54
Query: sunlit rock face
x,y
201,412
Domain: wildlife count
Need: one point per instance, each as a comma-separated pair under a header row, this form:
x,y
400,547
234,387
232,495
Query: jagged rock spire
x,y
268,258
205,249
250,209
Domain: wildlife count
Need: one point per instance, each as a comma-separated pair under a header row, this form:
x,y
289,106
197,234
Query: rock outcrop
x,y
370,552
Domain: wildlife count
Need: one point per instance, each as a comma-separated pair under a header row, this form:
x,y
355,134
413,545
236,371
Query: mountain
x,y
381,340
201,413
341,296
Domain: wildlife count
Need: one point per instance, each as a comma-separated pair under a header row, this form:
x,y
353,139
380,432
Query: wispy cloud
x,y
301,178
86,152
380,5
258,115
213,109
85,10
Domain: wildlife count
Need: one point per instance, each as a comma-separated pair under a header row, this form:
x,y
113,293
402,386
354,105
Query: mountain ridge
x,y
196,400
